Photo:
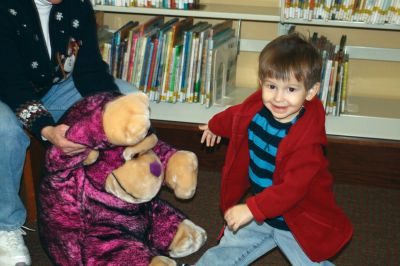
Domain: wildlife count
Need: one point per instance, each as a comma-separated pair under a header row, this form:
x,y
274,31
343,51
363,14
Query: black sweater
x,y
27,73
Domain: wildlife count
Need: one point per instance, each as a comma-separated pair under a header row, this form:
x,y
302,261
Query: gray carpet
x,y
375,213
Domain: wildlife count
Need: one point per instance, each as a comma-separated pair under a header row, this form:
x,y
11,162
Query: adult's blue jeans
x,y
251,242
13,145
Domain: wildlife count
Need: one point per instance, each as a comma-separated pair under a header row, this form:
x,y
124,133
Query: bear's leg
x,y
165,220
117,249
181,169
172,233
162,261
188,239
181,174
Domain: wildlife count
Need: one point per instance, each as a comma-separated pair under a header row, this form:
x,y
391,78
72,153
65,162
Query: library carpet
x,y
374,212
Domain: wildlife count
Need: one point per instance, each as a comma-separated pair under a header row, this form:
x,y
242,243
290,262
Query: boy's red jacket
x,y
302,185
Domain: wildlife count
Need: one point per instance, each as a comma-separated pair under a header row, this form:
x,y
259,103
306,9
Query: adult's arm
x,y
15,88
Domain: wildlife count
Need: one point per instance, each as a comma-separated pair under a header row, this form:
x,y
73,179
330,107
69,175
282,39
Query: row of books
x,y
170,4
175,60
334,77
368,11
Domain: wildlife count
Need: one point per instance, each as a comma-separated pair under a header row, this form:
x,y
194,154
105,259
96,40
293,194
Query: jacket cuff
x,y
252,204
39,124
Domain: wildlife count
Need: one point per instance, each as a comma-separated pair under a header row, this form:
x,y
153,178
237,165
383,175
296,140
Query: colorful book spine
x,y
146,73
135,37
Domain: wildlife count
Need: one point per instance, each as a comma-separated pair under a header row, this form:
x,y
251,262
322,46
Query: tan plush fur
x,y
187,240
162,261
181,174
147,144
91,158
133,181
126,119
126,122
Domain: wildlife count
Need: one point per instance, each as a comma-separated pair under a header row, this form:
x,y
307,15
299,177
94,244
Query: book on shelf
x,y
340,57
191,68
343,97
174,38
148,55
160,58
224,70
146,32
217,34
176,60
334,76
203,33
188,34
133,37
174,73
119,36
167,4
367,11
150,73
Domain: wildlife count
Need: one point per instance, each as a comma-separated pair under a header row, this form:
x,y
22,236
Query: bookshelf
x,y
214,11
370,116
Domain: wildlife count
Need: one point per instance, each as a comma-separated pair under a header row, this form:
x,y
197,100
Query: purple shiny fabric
x,y
80,223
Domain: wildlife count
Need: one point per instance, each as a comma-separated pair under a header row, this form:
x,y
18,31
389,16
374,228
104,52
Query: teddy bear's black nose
x,y
155,168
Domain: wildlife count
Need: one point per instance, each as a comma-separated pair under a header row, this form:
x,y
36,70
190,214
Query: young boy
x,y
276,145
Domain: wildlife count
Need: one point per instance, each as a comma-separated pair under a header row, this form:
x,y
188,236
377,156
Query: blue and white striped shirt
x,y
265,134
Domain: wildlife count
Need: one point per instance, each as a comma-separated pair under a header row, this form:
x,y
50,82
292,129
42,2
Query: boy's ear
x,y
313,91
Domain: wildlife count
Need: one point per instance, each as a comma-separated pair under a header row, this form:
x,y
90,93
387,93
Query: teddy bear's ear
x,y
126,120
147,144
141,96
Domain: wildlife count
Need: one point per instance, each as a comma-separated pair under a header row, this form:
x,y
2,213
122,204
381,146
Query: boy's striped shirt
x,y
265,134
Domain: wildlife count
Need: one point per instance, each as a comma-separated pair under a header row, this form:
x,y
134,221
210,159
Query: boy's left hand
x,y
238,216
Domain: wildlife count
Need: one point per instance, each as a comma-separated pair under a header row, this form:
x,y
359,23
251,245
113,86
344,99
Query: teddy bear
x,y
100,207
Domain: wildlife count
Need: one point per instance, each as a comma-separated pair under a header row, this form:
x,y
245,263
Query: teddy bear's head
x,y
122,156
140,178
126,120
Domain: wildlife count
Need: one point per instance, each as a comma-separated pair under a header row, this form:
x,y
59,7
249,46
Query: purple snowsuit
x,y
82,224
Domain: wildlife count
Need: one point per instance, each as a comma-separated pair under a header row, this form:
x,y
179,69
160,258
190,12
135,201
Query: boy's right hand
x,y
209,137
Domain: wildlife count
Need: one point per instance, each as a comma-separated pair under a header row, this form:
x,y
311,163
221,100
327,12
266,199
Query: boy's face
x,y
284,99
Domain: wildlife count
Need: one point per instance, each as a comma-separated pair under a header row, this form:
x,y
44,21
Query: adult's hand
x,y
56,135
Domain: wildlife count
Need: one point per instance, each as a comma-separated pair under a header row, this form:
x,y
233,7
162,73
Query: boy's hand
x,y
209,137
238,216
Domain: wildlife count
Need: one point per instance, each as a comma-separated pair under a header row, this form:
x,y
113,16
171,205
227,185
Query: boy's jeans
x,y
13,145
251,242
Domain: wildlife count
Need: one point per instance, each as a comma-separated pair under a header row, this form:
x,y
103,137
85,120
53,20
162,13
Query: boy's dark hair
x,y
290,54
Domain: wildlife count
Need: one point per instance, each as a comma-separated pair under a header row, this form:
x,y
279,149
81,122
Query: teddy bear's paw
x,y
133,151
181,174
187,240
162,261
126,119
91,158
